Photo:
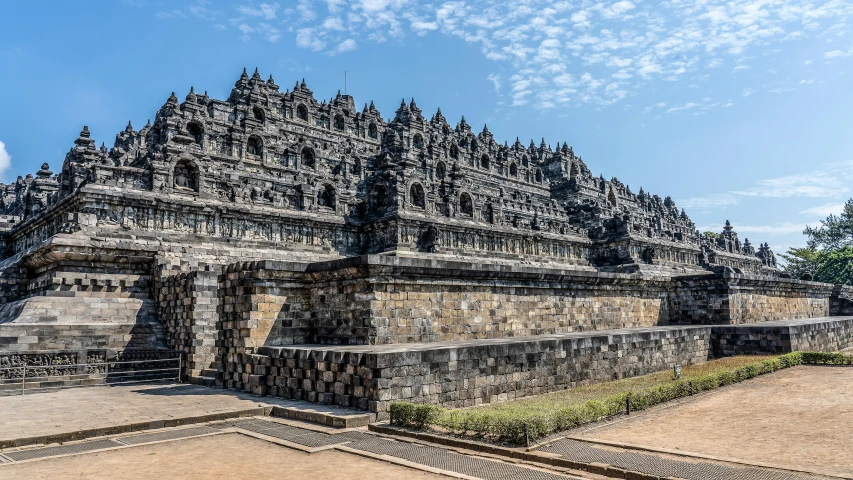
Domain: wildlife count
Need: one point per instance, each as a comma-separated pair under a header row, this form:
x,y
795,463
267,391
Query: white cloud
x,y
347,45
710,202
824,210
265,10
307,38
624,46
496,81
830,181
333,23
777,229
679,108
836,54
818,184
5,159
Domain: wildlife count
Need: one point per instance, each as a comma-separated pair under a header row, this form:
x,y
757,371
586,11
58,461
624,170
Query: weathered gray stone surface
x,y
805,335
464,373
273,219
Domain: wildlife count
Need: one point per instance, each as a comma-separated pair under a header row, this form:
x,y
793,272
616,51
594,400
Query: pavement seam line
x,y
699,456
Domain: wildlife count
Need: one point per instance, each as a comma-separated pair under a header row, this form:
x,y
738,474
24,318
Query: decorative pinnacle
x,y
85,132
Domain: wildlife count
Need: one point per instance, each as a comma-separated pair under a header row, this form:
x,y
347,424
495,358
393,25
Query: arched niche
x,y
327,197
488,214
417,196
302,113
466,205
255,146
308,158
185,176
440,170
196,131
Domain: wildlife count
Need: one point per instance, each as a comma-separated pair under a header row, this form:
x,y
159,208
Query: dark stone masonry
x,y
303,248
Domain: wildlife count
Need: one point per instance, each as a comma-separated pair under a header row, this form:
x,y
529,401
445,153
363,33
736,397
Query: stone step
x,y
202,380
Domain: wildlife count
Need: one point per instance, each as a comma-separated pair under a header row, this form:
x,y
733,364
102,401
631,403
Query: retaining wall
x,y
461,374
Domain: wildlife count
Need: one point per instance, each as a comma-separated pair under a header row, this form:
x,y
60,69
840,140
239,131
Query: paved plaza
x,y
77,409
734,432
800,418
214,458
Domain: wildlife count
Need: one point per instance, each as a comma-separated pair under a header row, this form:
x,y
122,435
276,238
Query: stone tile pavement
x,y
663,466
76,409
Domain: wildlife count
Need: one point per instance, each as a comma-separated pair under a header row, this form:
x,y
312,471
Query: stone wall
x,y
841,301
188,308
739,299
459,375
13,279
827,334
25,338
383,300
51,369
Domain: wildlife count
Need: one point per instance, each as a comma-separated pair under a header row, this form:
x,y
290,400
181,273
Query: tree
x,y
801,261
834,232
828,256
836,266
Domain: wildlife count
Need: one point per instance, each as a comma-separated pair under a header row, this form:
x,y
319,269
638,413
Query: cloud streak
x,y
5,159
553,53
830,181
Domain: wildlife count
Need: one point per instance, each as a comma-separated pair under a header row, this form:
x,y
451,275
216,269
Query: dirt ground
x,y
800,418
227,456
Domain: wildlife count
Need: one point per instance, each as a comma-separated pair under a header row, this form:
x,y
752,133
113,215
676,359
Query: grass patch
x,y
535,417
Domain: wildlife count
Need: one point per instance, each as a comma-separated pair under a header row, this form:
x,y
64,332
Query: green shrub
x,y
516,423
414,415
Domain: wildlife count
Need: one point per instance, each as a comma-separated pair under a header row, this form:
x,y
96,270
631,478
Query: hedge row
x,y
516,427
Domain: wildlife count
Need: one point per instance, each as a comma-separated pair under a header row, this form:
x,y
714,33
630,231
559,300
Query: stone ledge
x,y
130,427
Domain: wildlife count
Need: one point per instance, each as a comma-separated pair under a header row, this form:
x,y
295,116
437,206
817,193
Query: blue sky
x,y
738,110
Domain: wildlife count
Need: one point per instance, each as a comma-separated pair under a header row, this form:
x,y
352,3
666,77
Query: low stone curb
x,y
529,456
334,421
290,413
131,428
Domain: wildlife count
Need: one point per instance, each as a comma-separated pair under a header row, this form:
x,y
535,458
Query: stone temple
x,y
309,250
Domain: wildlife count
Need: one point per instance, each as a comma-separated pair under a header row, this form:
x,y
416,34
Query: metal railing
x,y
108,373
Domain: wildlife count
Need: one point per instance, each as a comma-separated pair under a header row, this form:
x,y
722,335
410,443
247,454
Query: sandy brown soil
x,y
800,418
227,456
